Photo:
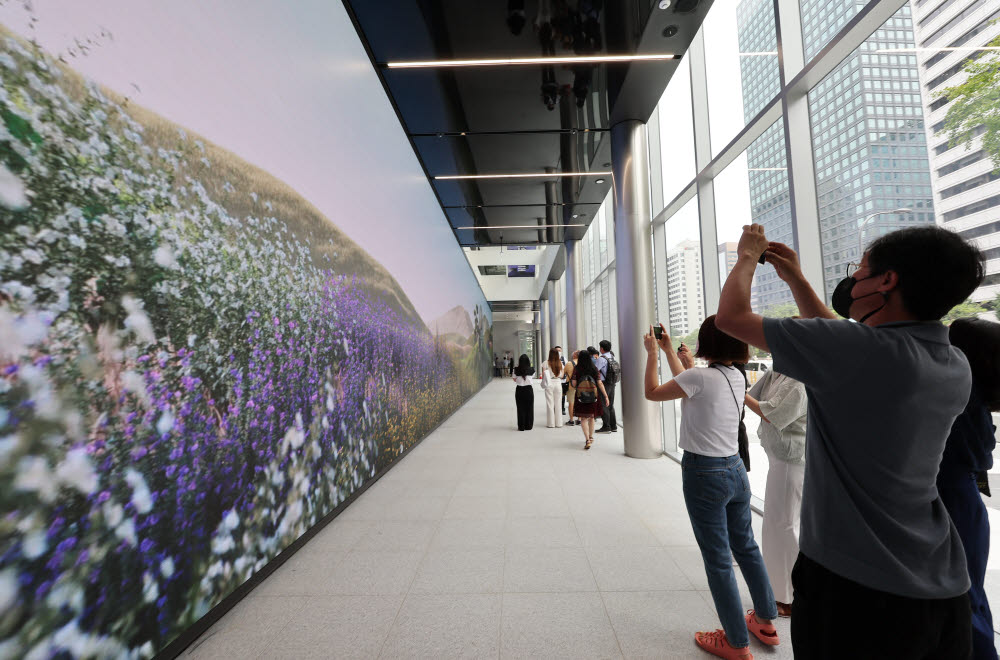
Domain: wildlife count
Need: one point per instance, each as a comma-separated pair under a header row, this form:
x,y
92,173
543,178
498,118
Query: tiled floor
x,y
487,542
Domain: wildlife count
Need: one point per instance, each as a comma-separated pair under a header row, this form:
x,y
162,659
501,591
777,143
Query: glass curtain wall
x,y
722,160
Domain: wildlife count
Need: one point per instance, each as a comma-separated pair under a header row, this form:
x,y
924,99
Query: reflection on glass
x,y
741,52
603,229
754,189
681,307
869,147
676,134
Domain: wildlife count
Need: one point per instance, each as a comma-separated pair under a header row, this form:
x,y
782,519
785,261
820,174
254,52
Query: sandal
x,y
765,632
590,441
717,644
784,610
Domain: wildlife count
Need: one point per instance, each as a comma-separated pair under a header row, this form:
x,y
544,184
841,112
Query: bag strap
x,y
739,411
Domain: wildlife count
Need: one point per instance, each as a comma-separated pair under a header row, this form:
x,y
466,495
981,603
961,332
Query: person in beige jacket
x,y
781,404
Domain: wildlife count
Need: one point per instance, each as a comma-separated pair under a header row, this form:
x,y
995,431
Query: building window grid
x,y
865,158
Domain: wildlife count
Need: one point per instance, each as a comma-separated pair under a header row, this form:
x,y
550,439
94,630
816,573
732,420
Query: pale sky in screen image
x,y
288,87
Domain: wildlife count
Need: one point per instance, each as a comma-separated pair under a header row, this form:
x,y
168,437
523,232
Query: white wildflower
x,y
126,531
166,422
142,499
137,321
134,383
77,472
13,194
167,567
34,544
113,513
32,255
231,520
8,590
164,257
222,544
150,590
33,474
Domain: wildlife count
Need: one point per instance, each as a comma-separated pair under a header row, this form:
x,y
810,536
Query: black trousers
x,y
565,389
524,396
833,617
609,419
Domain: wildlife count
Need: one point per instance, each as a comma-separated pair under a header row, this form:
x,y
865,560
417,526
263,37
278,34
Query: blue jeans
x,y
717,496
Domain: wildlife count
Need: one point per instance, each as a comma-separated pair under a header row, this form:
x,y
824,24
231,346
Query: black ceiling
x,y
521,119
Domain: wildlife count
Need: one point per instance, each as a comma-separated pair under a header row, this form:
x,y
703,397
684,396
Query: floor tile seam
x,y
642,520
614,631
409,586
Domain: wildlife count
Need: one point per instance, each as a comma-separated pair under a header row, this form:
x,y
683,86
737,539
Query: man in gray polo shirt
x,y
881,572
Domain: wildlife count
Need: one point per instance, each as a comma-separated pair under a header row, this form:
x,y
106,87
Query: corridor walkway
x,y
486,542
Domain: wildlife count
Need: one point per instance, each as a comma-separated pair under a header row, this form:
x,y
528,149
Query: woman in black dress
x,y
524,394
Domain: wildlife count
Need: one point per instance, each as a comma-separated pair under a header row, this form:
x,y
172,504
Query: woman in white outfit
x,y
552,373
781,404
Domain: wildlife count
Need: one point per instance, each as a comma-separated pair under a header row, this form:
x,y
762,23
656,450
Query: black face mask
x,y
842,298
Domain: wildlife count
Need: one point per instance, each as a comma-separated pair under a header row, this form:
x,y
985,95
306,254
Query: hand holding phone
x,y
658,331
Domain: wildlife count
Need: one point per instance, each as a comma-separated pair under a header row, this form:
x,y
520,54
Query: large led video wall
x,y
206,214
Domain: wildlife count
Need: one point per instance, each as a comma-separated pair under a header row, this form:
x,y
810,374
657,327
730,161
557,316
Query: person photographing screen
x,y
881,571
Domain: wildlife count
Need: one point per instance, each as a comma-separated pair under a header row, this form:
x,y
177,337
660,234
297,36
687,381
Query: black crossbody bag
x,y
741,434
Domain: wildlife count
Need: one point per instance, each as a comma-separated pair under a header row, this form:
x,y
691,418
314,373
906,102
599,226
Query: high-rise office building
x,y
684,297
868,141
966,190
728,256
769,202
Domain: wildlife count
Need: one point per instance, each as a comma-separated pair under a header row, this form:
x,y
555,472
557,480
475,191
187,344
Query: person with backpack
x,y
715,484
885,387
524,394
612,376
570,392
588,383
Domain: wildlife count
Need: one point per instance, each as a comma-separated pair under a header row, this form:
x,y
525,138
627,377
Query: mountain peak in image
x,y
456,321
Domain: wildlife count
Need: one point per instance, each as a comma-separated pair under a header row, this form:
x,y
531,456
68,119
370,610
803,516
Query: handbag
x,y
742,440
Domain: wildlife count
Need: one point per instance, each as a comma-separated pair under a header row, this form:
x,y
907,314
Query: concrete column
x,y
553,317
574,297
543,330
634,285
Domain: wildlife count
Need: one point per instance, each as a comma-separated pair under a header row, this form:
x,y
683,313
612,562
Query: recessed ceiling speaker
x,y
669,31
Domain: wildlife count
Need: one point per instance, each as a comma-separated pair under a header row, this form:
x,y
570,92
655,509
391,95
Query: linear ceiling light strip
x,y
491,227
546,175
521,61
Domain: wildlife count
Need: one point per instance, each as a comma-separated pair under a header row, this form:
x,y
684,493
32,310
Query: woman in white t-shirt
x,y
716,488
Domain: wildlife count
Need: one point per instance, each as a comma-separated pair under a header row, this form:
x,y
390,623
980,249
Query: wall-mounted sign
x,y
521,271
522,247
491,270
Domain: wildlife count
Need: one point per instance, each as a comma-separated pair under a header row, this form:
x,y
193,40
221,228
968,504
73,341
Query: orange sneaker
x,y
765,632
717,644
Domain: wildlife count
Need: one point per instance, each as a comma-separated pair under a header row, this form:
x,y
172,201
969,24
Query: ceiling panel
x,y
521,119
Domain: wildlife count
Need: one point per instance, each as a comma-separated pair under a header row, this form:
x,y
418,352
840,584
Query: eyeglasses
x,y
853,268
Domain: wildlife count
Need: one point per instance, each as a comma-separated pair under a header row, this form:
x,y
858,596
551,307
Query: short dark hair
x,y
558,348
592,350
980,341
937,269
716,346
605,345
